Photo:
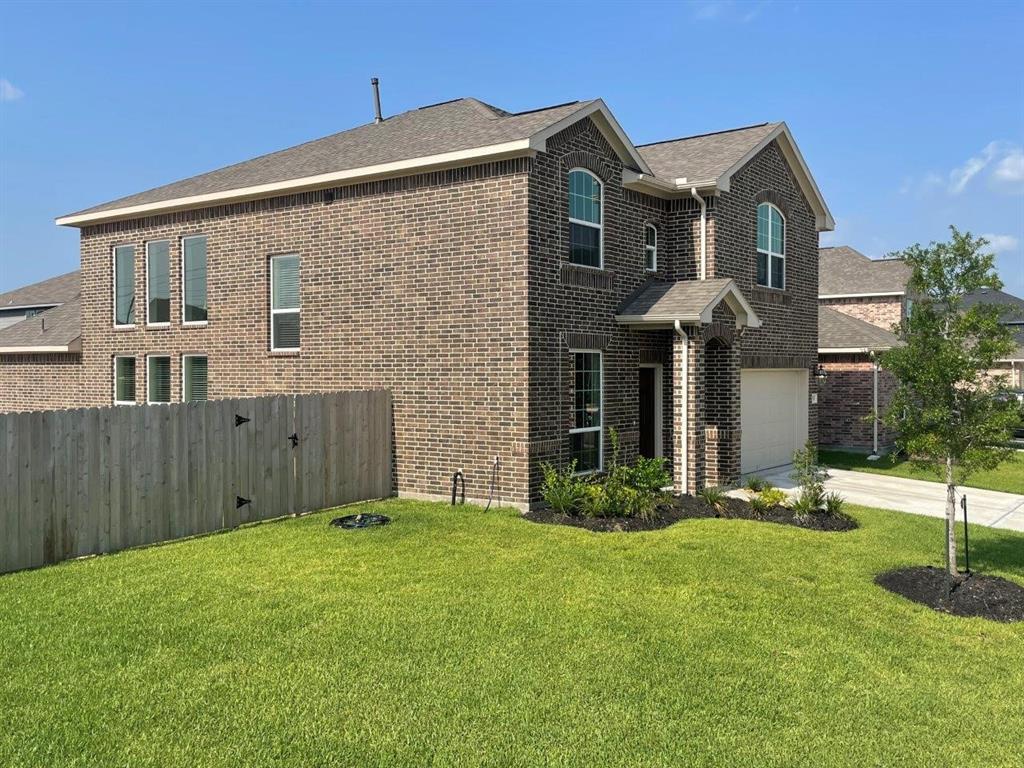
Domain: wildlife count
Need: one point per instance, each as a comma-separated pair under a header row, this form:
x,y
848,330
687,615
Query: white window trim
x,y
170,396
114,395
600,427
298,311
194,354
113,281
592,225
770,253
195,323
653,248
167,323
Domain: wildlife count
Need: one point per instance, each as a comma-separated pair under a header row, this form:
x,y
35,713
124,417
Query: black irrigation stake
x,y
241,502
455,485
967,545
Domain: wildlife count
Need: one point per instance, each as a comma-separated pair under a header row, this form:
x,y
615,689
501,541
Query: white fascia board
x,y
603,118
34,350
40,305
353,175
860,295
849,350
657,320
642,182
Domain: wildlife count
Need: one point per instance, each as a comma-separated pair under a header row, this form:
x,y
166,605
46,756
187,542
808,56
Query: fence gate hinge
x,y
240,420
240,502
294,437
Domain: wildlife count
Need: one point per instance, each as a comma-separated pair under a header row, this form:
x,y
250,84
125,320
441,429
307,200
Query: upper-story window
x,y
651,248
284,302
124,285
771,246
158,282
585,234
193,279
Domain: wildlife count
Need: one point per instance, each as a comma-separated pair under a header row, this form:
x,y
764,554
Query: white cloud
x,y
960,177
728,10
1001,243
9,91
1011,167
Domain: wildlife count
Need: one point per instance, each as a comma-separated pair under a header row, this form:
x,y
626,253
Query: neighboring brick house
x,y
1011,309
40,344
522,283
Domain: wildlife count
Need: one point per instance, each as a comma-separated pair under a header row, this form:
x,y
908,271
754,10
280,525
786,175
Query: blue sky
x,y
911,116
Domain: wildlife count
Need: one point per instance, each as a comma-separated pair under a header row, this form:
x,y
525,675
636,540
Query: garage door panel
x,y
773,417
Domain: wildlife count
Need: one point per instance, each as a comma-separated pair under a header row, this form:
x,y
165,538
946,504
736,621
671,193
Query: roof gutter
x,y
860,295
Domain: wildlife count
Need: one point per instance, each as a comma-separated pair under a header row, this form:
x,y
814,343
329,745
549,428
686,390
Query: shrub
x,y
593,500
648,475
834,504
759,505
714,497
773,497
562,489
808,473
808,502
757,484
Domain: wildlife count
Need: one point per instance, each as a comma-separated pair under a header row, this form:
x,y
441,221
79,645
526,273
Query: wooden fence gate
x,y
89,481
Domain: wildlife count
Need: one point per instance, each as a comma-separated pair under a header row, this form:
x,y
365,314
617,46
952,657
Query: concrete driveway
x,y
919,497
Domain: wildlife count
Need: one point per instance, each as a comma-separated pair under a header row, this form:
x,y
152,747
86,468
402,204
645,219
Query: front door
x,y
648,413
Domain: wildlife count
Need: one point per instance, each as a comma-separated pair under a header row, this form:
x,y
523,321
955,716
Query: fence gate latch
x,y
240,420
294,437
239,501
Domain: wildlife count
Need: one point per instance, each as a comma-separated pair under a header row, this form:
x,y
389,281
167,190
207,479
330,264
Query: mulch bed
x,y
686,507
989,597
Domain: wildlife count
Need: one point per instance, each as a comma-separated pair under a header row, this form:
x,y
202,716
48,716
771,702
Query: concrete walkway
x,y
919,497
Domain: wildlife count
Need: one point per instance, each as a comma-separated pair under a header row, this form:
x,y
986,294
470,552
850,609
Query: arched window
x,y
585,198
651,248
771,246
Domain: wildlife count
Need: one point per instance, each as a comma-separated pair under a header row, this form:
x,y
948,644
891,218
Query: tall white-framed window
x,y
124,381
771,246
651,248
158,283
193,280
586,233
284,303
158,379
124,285
586,443
193,378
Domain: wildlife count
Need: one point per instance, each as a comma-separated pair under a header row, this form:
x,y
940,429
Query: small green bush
x,y
808,502
759,505
773,497
562,489
834,504
714,497
648,475
593,500
757,484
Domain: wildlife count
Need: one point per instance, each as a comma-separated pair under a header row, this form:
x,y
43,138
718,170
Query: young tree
x,y
949,414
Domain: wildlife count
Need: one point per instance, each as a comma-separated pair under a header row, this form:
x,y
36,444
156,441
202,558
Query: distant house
x,y
1012,314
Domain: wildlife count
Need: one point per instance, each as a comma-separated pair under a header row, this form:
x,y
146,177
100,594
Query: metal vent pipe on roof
x,y
378,118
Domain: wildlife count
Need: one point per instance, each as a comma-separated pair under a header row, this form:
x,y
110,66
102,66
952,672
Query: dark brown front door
x,y
647,412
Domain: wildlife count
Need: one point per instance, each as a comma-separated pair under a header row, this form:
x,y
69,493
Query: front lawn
x,y
459,638
1008,476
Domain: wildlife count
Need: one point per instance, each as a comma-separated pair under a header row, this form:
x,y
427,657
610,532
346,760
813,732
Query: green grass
x,y
1008,476
458,638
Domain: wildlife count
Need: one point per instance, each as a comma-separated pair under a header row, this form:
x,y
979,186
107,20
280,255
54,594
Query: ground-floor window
x,y
193,378
585,435
158,379
124,381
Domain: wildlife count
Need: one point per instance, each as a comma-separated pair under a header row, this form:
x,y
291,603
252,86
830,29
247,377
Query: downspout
x,y
703,233
874,409
684,459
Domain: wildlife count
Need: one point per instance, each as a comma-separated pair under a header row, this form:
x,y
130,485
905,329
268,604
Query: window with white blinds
x,y
284,302
124,381
158,376
193,378
193,279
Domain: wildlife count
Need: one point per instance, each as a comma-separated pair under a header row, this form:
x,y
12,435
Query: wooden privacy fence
x,y
82,482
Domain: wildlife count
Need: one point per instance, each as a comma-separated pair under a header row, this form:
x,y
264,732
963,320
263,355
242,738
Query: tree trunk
x,y
951,571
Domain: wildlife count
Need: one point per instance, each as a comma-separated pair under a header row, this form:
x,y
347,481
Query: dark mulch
x,y
685,507
990,597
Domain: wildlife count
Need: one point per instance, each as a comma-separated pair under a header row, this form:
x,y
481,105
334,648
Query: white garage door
x,y
773,417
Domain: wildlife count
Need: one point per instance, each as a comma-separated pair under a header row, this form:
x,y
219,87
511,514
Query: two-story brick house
x,y
522,283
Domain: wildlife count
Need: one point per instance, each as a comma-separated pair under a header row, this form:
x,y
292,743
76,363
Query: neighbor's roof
x,y
52,291
55,330
705,157
838,332
1011,307
462,132
689,301
844,271
1018,353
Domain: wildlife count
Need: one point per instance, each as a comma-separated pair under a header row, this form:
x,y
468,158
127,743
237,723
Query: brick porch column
x,y
694,460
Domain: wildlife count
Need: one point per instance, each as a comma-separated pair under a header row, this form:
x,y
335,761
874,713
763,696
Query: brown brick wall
x,y
417,285
883,311
846,402
38,382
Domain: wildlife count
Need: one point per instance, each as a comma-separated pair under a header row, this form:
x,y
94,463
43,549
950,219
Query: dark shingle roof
x,y
840,331
664,300
54,290
843,270
447,127
1011,308
705,157
54,328
1018,353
